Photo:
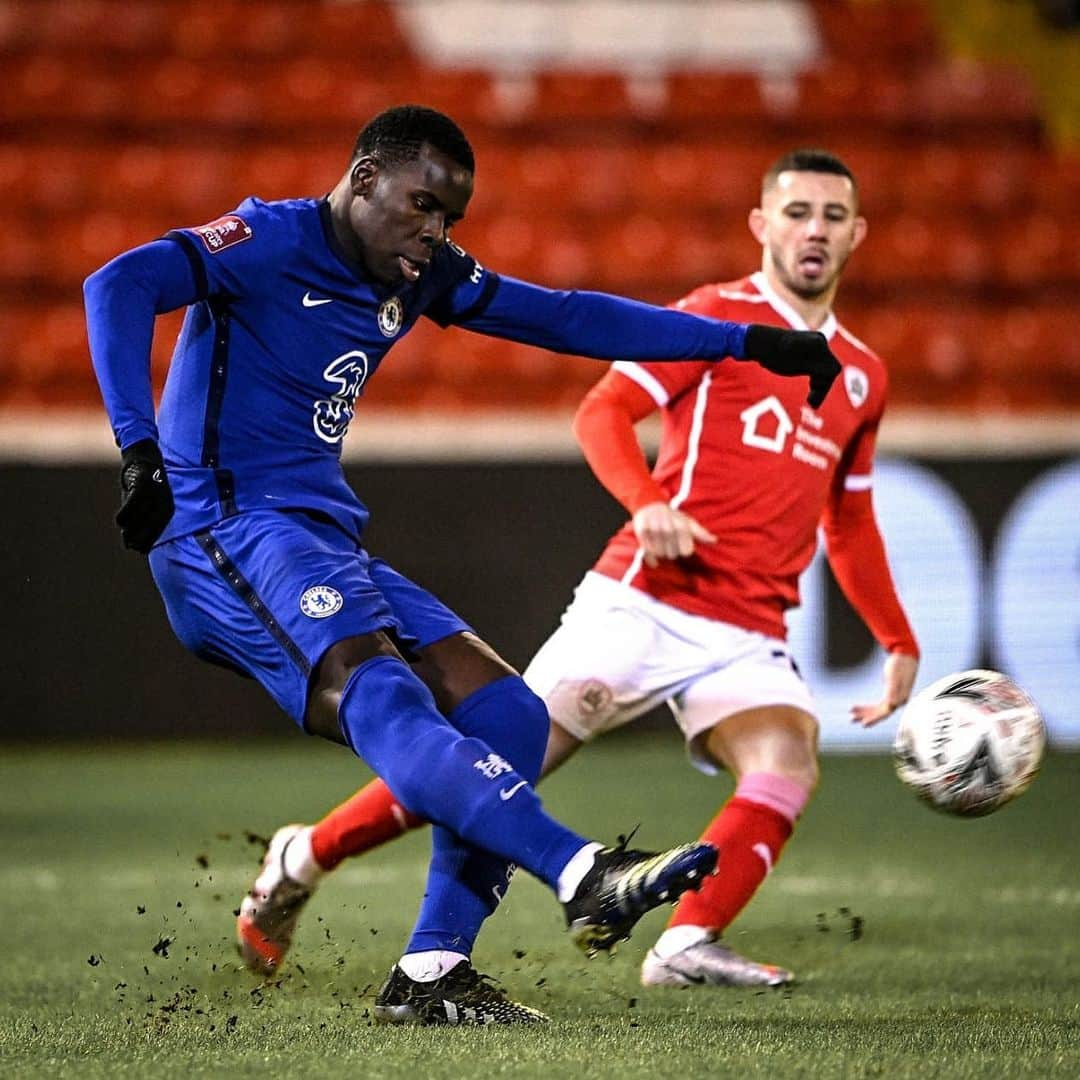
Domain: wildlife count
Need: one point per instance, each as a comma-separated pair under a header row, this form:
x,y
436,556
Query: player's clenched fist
x,y
794,352
146,500
667,533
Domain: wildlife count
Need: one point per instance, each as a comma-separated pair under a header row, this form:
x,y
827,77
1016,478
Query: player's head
x,y
409,182
397,135
808,223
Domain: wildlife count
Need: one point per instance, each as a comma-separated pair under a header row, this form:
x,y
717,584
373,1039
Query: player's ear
x,y
757,224
859,234
362,174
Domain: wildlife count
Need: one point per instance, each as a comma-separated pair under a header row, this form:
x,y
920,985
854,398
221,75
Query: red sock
x,y
370,818
750,835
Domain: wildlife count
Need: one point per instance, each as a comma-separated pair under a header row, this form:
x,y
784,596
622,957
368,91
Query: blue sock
x,y
392,722
465,884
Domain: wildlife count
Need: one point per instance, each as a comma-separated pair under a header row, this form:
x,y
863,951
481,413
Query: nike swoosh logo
x,y
504,794
308,301
764,854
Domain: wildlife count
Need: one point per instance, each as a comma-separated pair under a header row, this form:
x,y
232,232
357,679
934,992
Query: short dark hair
x,y
396,135
807,160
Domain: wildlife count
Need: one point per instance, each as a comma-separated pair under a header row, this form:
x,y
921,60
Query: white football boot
x,y
709,963
269,912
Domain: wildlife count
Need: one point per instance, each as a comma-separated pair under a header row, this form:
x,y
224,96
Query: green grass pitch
x,y
925,946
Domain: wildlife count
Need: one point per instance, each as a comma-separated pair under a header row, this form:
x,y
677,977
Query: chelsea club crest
x,y
320,602
390,317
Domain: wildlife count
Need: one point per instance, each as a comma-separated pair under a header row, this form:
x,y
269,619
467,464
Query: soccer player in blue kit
x,y
237,494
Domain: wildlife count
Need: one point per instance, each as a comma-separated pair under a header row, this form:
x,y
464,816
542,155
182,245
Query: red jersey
x,y
743,453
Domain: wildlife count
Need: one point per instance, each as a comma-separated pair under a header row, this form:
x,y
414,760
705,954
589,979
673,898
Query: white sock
x,y
299,861
676,938
431,965
574,871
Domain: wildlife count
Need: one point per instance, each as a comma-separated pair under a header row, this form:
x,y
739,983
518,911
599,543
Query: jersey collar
x,y
334,244
786,311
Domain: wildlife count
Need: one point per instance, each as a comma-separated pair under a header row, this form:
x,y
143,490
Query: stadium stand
x,y
122,120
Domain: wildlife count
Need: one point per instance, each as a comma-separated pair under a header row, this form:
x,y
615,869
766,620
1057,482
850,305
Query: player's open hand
x,y
899,678
667,533
146,500
794,352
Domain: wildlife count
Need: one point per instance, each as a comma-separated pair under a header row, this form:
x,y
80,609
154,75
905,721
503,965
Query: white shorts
x,y
618,653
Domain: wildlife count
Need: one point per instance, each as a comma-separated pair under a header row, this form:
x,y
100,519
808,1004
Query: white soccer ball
x,y
969,743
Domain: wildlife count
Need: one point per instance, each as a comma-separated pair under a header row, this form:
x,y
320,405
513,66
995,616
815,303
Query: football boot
x,y
462,996
623,884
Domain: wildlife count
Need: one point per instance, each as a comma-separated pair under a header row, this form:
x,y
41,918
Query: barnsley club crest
x,y
857,384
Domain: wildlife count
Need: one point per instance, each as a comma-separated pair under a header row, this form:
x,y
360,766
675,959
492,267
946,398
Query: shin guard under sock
x,y
498,713
364,821
750,832
464,884
391,721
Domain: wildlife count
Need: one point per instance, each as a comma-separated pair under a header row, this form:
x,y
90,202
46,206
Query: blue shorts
x,y
267,593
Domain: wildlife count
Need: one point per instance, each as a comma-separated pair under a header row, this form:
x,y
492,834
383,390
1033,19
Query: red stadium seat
x,y
24,254
713,95
1030,356
581,95
171,89
927,99
943,175
90,240
46,346
278,172
931,352
884,34
969,91
634,253
552,177
40,87
19,176
921,250
127,119
701,175
1039,250
209,31
66,26
16,27
569,259
853,93
509,244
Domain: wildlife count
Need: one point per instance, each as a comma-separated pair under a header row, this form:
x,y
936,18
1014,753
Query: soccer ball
x,y
969,743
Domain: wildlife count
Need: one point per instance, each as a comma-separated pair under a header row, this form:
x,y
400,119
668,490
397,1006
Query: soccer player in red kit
x,y
686,604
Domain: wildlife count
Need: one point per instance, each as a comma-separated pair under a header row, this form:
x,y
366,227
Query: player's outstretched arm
x,y
122,300
856,553
610,327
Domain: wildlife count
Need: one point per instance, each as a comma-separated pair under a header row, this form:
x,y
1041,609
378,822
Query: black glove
x,y
794,352
146,501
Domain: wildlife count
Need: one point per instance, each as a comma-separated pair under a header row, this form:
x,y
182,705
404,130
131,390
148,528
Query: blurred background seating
x,y
122,120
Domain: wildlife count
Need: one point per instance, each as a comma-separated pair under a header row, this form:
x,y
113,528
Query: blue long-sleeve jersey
x,y
283,332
